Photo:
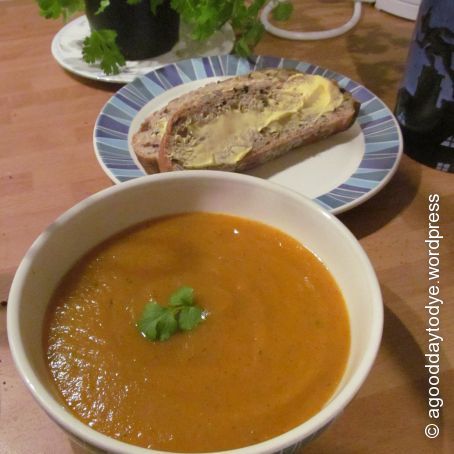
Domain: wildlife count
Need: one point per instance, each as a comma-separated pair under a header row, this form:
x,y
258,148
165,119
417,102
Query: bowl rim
x,y
80,430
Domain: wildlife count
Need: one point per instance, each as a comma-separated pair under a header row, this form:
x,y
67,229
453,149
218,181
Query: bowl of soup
x,y
281,326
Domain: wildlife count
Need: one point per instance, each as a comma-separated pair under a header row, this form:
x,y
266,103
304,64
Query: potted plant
x,y
138,29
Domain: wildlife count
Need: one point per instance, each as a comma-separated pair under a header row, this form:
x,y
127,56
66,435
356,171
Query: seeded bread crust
x,y
155,147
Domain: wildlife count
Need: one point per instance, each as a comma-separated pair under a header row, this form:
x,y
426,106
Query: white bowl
x,y
118,207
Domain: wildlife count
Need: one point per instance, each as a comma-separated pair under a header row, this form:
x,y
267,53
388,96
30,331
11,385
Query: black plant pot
x,y
141,34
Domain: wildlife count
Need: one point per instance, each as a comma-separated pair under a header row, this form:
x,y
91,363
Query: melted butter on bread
x,y
227,138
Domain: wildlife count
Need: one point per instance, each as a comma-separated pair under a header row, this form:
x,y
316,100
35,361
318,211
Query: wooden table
x,y
47,164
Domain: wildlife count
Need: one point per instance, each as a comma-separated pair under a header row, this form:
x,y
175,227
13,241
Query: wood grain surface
x,y
47,164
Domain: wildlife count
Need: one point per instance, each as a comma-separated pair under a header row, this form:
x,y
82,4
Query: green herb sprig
x,y
53,9
100,46
205,17
282,11
160,322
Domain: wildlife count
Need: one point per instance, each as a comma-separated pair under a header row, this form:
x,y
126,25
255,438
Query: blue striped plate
x,y
339,173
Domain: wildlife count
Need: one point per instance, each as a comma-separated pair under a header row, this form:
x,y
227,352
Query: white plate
x,y
338,173
67,50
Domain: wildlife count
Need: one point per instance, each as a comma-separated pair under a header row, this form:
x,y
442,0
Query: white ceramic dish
x,y
116,208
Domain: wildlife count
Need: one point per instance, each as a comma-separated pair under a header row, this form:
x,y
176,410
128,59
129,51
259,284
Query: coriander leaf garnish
x,y
101,46
184,296
190,317
160,322
157,322
282,11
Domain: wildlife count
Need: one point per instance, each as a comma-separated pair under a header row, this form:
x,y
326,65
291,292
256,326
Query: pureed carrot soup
x,y
270,347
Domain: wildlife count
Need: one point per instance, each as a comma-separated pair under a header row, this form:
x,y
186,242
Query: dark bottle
x,y
425,102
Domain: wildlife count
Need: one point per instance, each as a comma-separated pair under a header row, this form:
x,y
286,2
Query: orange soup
x,y
268,355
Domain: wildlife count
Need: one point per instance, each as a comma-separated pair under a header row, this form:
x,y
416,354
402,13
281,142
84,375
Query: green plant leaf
x,y
53,9
207,16
101,47
166,325
189,317
245,44
50,9
184,296
255,7
157,322
282,11
241,48
103,4
150,316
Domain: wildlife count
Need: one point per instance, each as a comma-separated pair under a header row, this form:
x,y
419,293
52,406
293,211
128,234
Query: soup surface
x,y
269,354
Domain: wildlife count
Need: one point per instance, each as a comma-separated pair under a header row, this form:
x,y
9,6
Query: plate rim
x,y
55,50
369,193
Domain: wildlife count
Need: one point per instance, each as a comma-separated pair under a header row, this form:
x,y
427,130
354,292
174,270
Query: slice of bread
x,y
244,121
146,141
